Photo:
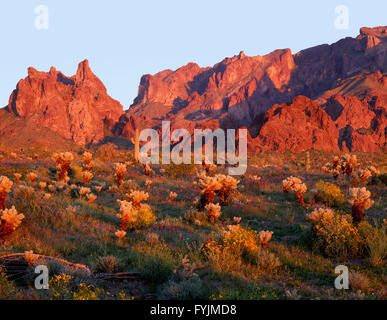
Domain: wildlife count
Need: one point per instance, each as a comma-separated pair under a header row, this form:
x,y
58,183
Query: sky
x,y
125,39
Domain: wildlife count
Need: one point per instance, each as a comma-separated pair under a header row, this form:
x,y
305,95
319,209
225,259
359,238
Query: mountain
x,y
329,97
76,108
262,92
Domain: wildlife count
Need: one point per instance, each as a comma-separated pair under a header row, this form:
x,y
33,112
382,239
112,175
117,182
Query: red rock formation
x,y
239,90
77,107
298,126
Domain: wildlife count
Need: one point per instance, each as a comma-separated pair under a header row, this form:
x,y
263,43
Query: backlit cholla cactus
x,y
289,183
172,196
213,211
334,167
220,185
237,220
84,191
300,189
148,183
207,165
320,214
209,186
296,185
10,219
228,185
147,170
98,188
42,185
91,197
87,176
348,163
120,172
360,200
63,163
46,196
264,237
13,155
5,187
343,165
120,234
32,177
87,158
137,196
128,213
364,174
17,177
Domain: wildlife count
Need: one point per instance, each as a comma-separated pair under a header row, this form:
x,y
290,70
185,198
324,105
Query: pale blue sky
x,y
125,39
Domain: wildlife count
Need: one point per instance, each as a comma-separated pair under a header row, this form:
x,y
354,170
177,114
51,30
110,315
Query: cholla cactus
x,y
137,196
10,219
228,184
296,185
91,197
87,157
32,177
42,185
5,187
264,237
320,214
364,174
128,213
348,163
17,177
98,188
84,191
46,196
147,170
148,183
213,211
120,234
186,270
237,220
87,176
289,183
360,200
51,188
120,172
220,185
172,196
343,165
300,189
63,161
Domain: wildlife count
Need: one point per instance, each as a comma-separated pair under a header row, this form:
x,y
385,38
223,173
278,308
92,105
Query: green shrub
x,y
107,264
191,289
181,170
155,269
329,194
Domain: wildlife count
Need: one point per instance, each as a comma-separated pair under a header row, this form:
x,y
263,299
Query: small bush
x,y
8,290
181,170
376,245
155,269
191,289
329,194
107,264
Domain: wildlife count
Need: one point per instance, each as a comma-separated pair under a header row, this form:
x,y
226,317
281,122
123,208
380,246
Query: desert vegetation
x,y
109,227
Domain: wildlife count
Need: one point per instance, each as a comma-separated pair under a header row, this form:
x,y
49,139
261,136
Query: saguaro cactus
x,y
307,162
136,142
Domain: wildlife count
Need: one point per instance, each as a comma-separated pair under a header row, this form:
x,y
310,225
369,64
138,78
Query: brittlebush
x,y
335,235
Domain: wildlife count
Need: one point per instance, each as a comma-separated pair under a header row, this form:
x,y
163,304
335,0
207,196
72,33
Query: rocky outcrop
x,y
243,91
77,108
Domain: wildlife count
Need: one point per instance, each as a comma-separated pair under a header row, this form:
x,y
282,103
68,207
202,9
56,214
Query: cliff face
x,y
239,91
77,108
330,97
